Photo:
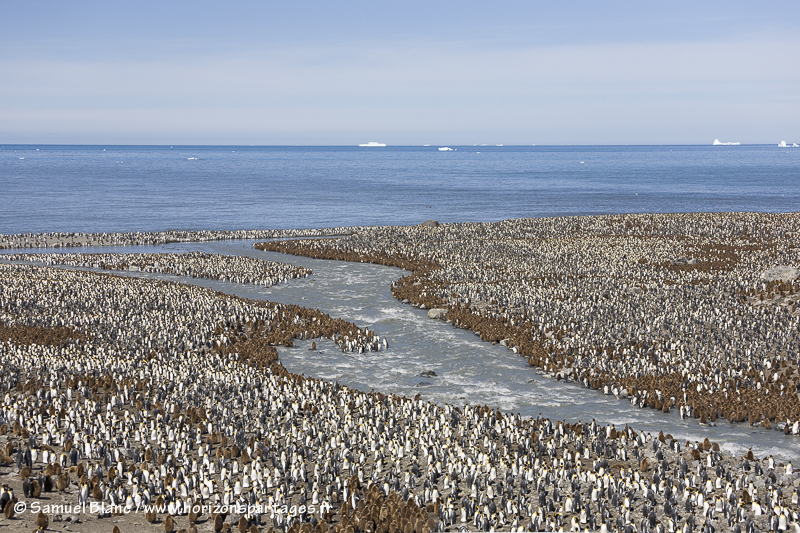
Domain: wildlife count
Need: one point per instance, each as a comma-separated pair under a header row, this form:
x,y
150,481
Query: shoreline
x,y
541,348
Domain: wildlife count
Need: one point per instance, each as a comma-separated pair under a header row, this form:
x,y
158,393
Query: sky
x,y
403,73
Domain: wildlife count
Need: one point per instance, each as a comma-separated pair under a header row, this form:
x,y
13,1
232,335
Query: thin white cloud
x,y
589,93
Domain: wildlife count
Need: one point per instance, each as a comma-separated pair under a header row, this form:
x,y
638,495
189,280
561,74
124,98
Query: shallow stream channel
x,y
442,363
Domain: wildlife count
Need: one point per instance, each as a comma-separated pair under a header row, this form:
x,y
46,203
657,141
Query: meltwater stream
x,y
467,369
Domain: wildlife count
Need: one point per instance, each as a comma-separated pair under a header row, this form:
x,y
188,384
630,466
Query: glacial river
x,y
467,369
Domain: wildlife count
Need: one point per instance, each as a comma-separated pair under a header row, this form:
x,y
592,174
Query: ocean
x,y
152,188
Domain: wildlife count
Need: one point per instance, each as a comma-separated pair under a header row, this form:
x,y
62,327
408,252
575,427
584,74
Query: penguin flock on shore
x,y
236,269
169,400
671,311
154,238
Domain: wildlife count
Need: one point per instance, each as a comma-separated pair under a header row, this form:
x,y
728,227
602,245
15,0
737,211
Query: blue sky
x,y
256,72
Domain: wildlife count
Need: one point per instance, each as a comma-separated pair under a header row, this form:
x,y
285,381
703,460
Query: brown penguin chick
x,y
749,456
150,516
36,489
643,465
97,492
244,525
8,510
25,472
42,520
254,529
169,524
219,521
226,528
192,528
116,529
62,482
182,530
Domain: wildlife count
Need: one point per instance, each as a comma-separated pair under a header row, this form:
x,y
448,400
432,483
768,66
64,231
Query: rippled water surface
x,y
153,188
467,369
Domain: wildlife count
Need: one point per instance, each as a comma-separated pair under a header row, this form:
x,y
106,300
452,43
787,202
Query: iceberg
x,y
373,143
445,149
717,143
782,144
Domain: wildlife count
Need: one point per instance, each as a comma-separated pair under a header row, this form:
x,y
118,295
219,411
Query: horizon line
x,y
427,145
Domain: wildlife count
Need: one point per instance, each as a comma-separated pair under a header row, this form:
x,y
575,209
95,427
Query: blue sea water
x,y
150,188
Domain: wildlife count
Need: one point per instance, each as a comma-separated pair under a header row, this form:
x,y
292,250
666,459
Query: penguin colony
x,y
671,311
235,269
170,399
103,372
78,239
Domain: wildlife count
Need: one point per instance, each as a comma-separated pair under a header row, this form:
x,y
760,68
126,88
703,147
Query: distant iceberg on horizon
x,y
373,143
717,143
784,144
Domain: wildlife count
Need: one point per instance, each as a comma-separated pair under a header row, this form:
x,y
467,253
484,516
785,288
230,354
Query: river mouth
x,y
467,370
